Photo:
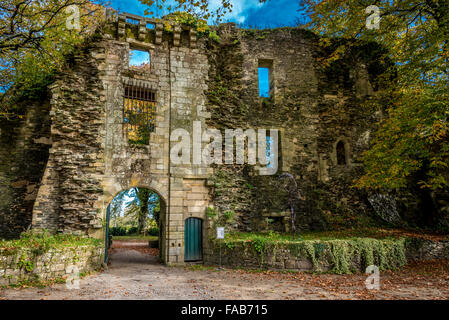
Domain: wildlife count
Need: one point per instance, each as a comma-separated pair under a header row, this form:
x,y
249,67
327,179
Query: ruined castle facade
x,y
71,155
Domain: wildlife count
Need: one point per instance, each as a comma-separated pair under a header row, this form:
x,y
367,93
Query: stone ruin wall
x,y
312,114
54,264
195,79
91,160
24,145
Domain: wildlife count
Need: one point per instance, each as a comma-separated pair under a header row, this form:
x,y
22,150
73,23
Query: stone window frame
x,y
141,46
347,147
266,62
131,82
140,77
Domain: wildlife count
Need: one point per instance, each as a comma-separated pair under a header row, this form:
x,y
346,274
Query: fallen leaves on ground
x,y
142,247
417,280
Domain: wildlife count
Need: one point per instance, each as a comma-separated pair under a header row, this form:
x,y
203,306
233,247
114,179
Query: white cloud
x,y
240,6
241,12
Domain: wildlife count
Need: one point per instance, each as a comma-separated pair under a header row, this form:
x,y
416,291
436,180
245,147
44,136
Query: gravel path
x,y
135,273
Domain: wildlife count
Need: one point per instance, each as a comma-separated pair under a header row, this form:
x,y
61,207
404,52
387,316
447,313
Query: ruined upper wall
x,y
196,78
24,145
92,159
314,107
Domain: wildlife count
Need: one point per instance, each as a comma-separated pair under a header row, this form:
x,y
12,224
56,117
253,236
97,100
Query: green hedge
x,y
342,256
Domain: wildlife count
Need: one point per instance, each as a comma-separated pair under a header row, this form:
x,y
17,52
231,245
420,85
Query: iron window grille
x,y
139,113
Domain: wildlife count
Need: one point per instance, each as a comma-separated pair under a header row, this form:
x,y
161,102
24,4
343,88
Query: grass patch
x,y
35,283
41,284
348,234
43,241
200,267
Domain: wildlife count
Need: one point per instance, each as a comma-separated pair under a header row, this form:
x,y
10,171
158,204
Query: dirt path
x,y
135,273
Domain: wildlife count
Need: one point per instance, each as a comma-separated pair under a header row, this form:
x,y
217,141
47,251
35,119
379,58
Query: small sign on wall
x,y
220,233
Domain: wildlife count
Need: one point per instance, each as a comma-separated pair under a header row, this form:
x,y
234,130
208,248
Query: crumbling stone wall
x,y
91,158
199,81
314,107
71,184
24,145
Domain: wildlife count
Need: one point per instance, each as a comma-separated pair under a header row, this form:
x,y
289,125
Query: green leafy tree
x,y
203,9
412,143
156,211
138,205
35,37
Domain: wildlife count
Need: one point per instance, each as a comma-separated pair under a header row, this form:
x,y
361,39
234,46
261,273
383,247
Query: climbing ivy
x,y
211,212
25,263
343,255
340,256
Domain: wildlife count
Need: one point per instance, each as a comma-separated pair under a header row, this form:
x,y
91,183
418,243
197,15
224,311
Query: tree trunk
x,y
142,221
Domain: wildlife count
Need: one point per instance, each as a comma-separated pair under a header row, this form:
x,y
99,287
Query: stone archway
x,y
161,221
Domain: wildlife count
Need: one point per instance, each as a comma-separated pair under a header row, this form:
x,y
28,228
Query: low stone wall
x,y
336,256
422,249
19,265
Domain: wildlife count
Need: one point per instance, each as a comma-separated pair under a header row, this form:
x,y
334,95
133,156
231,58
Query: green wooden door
x,y
193,239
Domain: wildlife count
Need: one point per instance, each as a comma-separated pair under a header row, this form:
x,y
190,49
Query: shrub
x,y
118,231
132,231
153,232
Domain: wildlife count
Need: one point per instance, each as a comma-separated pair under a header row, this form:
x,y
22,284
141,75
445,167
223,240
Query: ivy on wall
x,y
340,256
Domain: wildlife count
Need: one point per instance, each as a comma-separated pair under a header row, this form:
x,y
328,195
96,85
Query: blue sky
x,y
249,13
137,58
264,82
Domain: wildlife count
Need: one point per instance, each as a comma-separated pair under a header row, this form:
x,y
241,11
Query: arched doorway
x,y
136,214
193,240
